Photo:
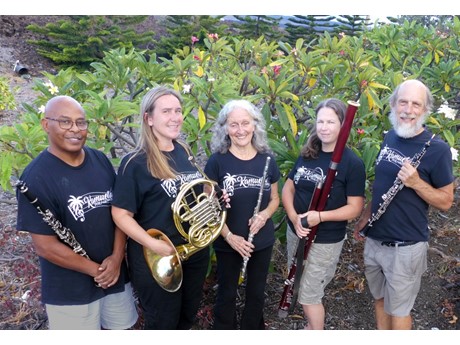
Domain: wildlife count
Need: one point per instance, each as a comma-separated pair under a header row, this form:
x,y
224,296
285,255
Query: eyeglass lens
x,y
67,124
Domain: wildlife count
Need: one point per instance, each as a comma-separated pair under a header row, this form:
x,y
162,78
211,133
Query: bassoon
x,y
317,203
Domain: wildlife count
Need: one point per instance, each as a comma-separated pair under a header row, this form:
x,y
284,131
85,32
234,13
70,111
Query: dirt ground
x,y
348,303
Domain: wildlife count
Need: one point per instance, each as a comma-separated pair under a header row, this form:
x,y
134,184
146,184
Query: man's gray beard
x,y
406,130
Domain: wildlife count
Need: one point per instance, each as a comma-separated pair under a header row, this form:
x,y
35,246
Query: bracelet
x,y
228,235
319,215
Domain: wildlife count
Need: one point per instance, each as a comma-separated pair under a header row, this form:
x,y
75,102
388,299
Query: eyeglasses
x,y
67,124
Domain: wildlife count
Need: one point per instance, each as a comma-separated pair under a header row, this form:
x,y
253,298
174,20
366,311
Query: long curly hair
x,y
221,142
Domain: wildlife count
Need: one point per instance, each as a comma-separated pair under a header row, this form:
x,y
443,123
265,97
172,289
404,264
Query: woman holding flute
x,y
345,202
240,152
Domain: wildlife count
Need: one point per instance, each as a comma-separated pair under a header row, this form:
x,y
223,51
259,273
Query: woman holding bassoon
x,y
239,165
345,202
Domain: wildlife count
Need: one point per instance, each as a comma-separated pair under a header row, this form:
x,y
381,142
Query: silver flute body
x,y
256,211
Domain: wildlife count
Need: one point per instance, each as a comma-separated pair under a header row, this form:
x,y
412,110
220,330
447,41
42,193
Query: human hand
x,y
408,174
108,272
257,222
300,230
359,225
225,199
239,244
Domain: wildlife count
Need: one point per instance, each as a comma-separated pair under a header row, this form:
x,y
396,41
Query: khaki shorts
x,y
115,311
319,268
395,274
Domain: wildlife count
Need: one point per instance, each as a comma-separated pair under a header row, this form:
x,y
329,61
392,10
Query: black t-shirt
x,y
406,217
241,179
80,198
150,199
350,180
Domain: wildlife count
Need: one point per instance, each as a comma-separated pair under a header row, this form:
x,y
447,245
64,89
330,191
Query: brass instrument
x,y
204,216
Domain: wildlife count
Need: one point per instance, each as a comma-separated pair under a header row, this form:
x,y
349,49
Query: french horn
x,y
199,218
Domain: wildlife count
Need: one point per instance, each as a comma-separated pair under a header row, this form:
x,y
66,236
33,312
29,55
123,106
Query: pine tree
x,y
180,30
308,27
352,25
255,26
80,40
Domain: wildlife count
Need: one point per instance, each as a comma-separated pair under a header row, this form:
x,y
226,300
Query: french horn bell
x,y
199,218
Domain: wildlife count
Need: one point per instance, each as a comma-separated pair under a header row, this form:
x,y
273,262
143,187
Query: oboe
x,y
394,189
65,234
256,211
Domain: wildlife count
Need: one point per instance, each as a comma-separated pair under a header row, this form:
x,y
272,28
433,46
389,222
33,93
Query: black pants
x,y
228,271
171,310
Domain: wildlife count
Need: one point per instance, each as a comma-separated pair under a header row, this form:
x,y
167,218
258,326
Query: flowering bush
x,y
285,81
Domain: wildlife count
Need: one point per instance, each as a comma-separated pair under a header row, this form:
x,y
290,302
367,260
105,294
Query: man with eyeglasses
x,y
75,183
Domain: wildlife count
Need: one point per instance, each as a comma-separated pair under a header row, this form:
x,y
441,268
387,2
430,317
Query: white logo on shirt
x,y
391,155
79,205
171,186
233,182
311,175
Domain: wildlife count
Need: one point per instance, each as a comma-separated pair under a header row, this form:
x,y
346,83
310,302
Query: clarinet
x,y
65,234
394,189
256,211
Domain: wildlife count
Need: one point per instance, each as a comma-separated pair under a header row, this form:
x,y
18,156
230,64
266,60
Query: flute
x,y
291,284
256,211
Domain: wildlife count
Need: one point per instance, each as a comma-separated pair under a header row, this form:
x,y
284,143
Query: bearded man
x,y
395,251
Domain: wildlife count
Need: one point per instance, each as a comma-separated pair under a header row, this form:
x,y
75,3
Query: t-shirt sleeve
x,y
275,170
125,191
356,178
442,173
212,168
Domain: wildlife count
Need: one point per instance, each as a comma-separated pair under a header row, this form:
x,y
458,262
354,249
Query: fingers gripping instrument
x,y
199,218
64,233
256,211
288,297
388,197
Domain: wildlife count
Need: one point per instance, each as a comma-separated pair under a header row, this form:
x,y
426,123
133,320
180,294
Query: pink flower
x,y
342,52
360,131
196,57
276,70
213,36
194,39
